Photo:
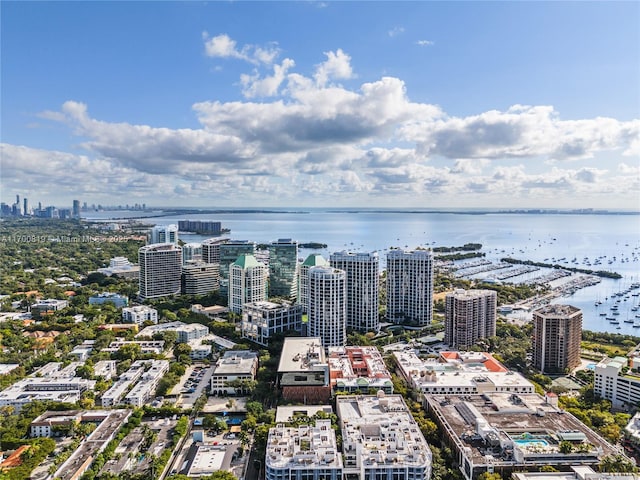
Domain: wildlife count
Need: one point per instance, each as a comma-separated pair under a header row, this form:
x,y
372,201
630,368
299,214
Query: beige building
x,y
469,316
557,331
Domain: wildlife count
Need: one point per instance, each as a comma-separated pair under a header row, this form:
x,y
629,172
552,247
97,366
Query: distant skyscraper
x,y
229,253
247,282
557,332
328,306
25,210
362,271
283,268
410,286
469,316
76,209
17,208
163,234
313,260
160,270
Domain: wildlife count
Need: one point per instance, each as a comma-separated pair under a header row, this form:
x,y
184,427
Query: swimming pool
x,y
530,442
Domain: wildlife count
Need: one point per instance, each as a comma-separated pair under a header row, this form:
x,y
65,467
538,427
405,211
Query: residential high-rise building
x,y
160,270
469,316
163,234
229,253
247,282
328,306
557,332
410,286
25,210
76,209
363,274
201,227
199,278
191,252
211,249
313,260
283,268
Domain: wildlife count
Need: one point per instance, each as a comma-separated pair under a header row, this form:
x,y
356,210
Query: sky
x,y
321,104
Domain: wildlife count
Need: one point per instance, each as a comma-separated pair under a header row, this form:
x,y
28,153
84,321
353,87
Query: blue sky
x,y
432,104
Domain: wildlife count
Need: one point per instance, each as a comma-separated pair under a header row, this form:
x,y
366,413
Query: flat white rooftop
x,y
301,354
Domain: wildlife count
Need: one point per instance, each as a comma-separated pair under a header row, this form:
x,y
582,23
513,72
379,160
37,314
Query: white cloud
x,y
336,67
425,43
223,46
395,31
255,86
326,139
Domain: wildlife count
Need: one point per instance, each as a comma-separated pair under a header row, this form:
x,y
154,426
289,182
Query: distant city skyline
x,y
368,104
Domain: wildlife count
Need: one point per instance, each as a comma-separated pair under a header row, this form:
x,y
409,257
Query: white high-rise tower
x,y
362,271
160,270
328,306
410,286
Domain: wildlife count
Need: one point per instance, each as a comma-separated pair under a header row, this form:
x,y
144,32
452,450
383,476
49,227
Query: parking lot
x,y
195,381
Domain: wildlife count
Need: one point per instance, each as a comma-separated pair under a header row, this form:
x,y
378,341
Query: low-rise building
x,y
146,387
146,346
459,373
82,351
578,472
108,297
211,312
615,381
139,314
304,452
303,371
358,370
51,382
47,307
262,320
137,385
232,371
191,331
380,438
121,267
105,369
506,432
109,423
186,331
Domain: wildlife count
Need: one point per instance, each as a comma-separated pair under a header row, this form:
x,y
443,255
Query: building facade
x,y
247,282
191,252
163,234
262,320
116,299
313,260
469,316
410,286
307,452
557,332
363,283
160,270
211,249
380,439
139,314
283,268
229,253
234,372
199,278
617,381
328,306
